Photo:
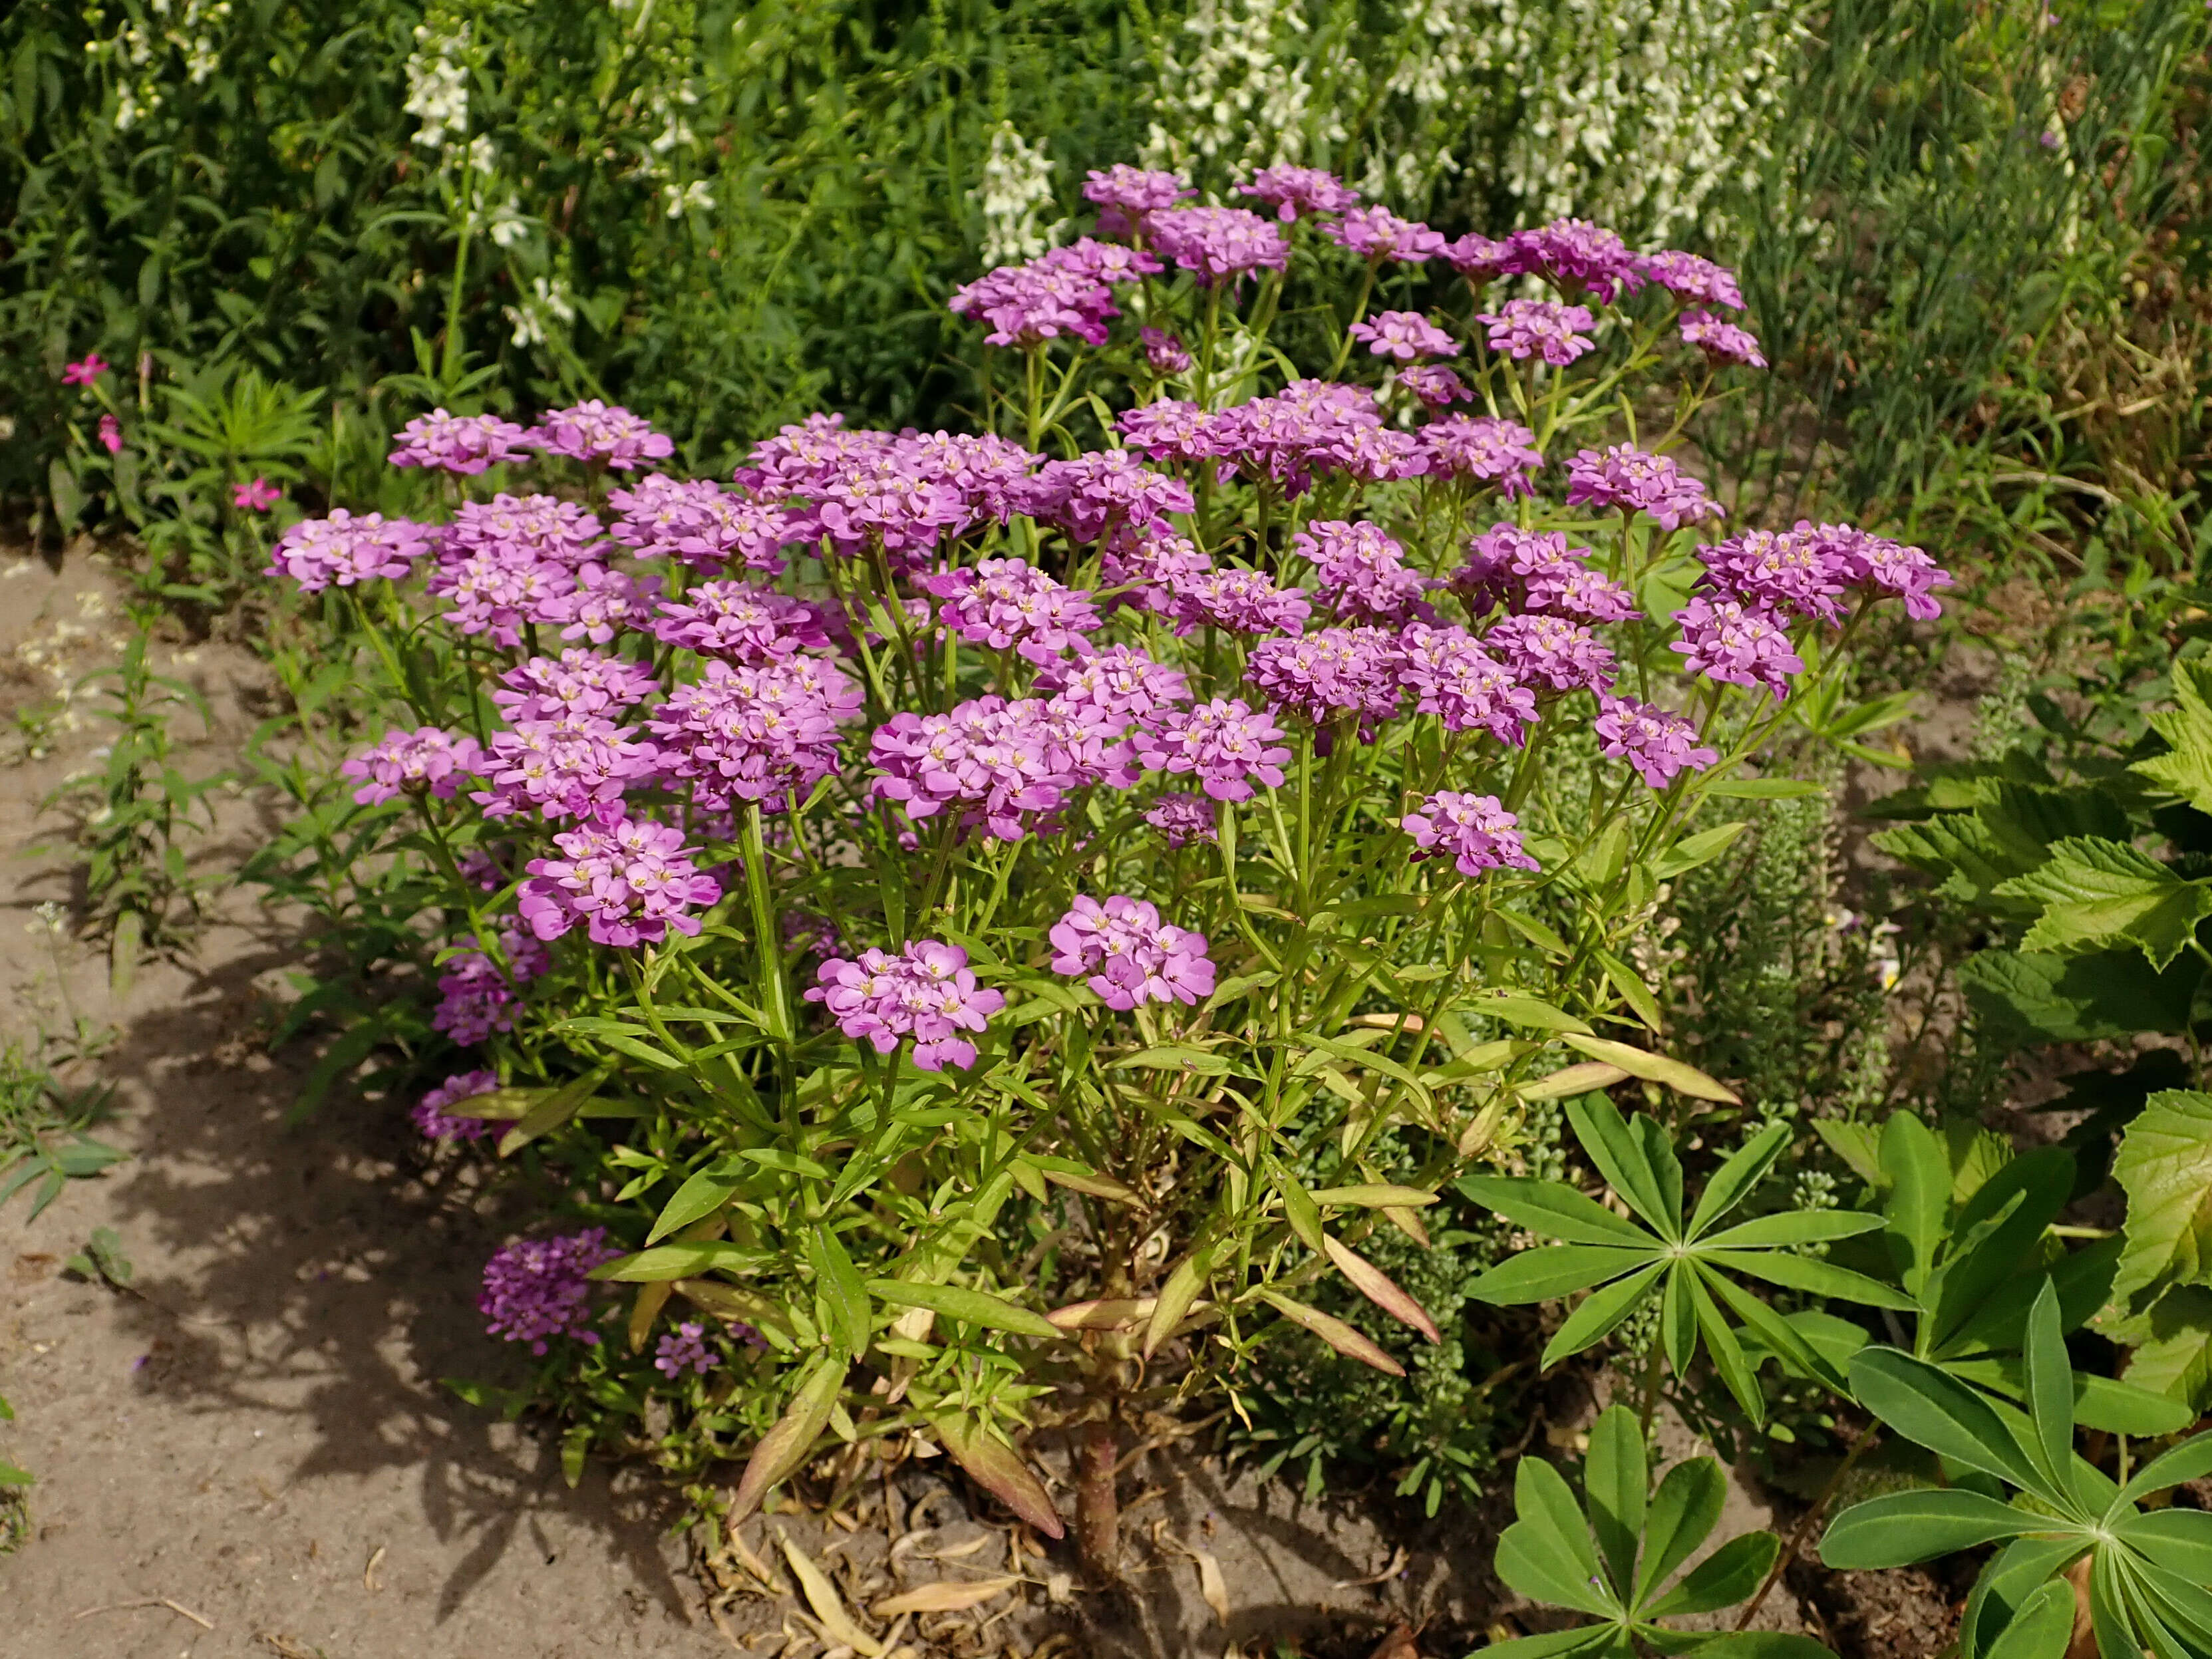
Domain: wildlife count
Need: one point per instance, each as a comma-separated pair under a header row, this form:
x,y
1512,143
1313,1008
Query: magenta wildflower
x,y
1213,242
594,433
1574,256
684,1349
474,998
755,734
1329,673
522,530
1100,491
1163,353
1741,645
458,443
1434,386
1222,745
1479,259
580,683
1238,600
1528,328
1364,576
1893,566
1689,277
629,880
1452,677
802,457
493,594
988,471
1582,593
1004,765
1505,561
1171,429
1110,263
893,498
741,623
1028,305
1483,446
603,602
1009,605
1128,956
1656,741
564,768
1292,190
1150,567
347,548
1377,233
1798,569
434,1122
1404,335
428,762
1626,478
1474,831
703,524
255,497
1720,342
1126,195
927,992
111,434
537,1289
1182,819
1551,653
86,369
1120,683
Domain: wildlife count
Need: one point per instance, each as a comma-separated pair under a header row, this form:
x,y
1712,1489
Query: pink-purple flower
x,y
1740,644
1126,196
1128,956
538,1289
111,434
1657,742
703,524
85,370
568,767
926,993
1485,446
1291,191
347,548
425,761
598,435
1102,490
1213,243
458,443
1404,335
1799,570
1434,386
1241,601
1163,353
1376,233
1528,328
1720,342
1120,682
1575,255
1475,832
1689,277
1328,674
1005,766
258,496
1009,605
684,1349
578,685
1222,745
1452,677
755,734
1182,819
434,1121
1553,654
1625,477
477,995
629,880
1364,575
741,623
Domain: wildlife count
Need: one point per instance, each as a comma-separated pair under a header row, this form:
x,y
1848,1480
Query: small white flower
x,y
682,199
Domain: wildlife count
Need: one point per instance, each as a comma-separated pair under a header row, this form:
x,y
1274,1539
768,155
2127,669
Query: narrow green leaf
x,y
957,1302
1555,1271
2190,1460
1899,1528
785,1447
1600,1312
1684,1512
1338,1335
1180,1290
840,1284
1545,1553
2051,1389
1616,1478
1789,1227
1936,1410
1734,1181
1728,1576
703,1194
1727,1353
1552,1209
1617,1152
1802,1273
1173,1057
1656,1068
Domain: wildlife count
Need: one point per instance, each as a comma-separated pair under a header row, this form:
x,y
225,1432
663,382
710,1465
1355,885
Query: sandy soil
x,y
249,1450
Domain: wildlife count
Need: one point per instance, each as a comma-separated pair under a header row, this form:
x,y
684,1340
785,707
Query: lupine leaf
x,y
1684,1512
1601,1313
1616,1477
1728,1576
1553,1209
1732,1181
1617,1152
2041,1629
1554,1270
1899,1528
1934,1410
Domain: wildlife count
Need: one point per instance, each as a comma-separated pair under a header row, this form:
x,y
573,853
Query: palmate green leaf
x,y
1934,1409
1727,1353
2014,1577
2050,1390
1554,1270
1601,1313
1899,1528
1545,1554
1728,1576
1616,1477
2183,1609
2178,1540
2041,1629
1619,1153
2164,1164
1553,1209
1683,1513
1732,1181
2190,1460
2095,893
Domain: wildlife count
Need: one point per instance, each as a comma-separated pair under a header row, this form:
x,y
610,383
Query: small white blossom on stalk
x,y
548,299
1017,189
509,224
682,199
1245,96
438,85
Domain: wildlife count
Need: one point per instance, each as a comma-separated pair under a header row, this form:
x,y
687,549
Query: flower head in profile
x,y
1475,832
1738,644
1128,956
684,1349
426,762
466,444
1720,342
1181,818
111,434
1575,255
595,433
349,547
1434,386
1292,190
1689,277
1212,243
86,369
1376,233
435,1122
1404,335
1163,353
1126,196
1657,742
541,1289
255,497
1545,328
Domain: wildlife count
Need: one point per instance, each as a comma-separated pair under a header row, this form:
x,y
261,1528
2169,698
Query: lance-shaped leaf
x,y
956,1302
1553,1209
1616,1478
1656,1068
1545,1553
1380,1288
2097,893
1343,1338
1728,1576
785,1447
999,1469
1176,1296
1900,1527
1933,1409
1683,1513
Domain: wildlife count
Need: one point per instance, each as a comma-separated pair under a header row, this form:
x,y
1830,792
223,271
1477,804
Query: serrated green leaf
x,y
2095,893
2164,1165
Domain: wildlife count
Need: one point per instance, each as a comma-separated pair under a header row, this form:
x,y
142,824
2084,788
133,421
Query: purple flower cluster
x,y
741,623
1328,674
1687,277
524,530
1474,831
1437,387
1069,291
684,1349
432,1120
1626,478
1656,741
347,548
1801,569
1150,567
1893,566
1214,243
1120,683
427,760
1552,653
474,998
754,733
1452,676
703,524
1182,819
539,1289
459,443
1102,491
1163,353
1528,328
1720,342
1405,335
1009,605
1006,765
629,880
1238,600
1536,570
1485,446
592,433
927,992
1375,233
1363,572
1129,955
1574,255
566,768
579,685
1741,645
1126,197
1222,745
1292,190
